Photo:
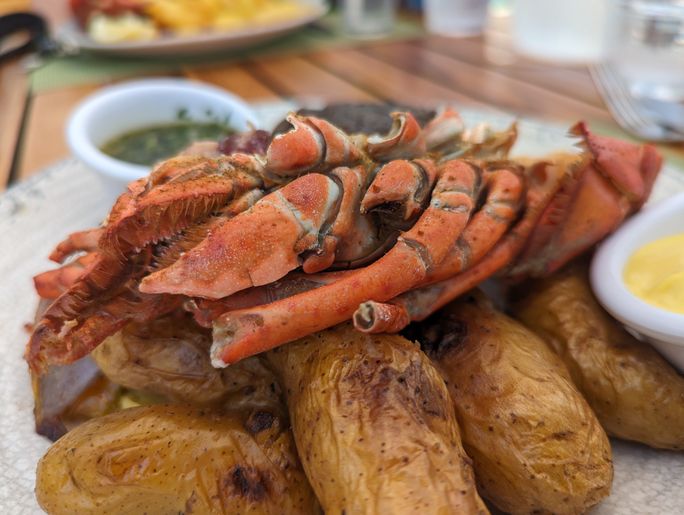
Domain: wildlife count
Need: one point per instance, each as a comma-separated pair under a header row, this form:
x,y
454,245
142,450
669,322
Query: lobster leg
x,y
104,299
405,140
245,332
352,235
505,193
81,241
51,284
312,144
256,247
205,311
401,188
375,317
443,131
169,207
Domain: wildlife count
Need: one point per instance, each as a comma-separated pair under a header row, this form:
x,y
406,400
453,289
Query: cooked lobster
x,y
326,226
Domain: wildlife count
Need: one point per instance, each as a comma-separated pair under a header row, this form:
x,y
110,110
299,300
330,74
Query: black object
x,y
36,29
368,118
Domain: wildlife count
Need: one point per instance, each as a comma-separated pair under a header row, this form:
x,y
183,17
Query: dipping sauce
x,y
655,273
148,145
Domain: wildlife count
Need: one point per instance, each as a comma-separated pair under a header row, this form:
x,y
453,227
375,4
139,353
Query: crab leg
x,y
245,332
256,247
376,317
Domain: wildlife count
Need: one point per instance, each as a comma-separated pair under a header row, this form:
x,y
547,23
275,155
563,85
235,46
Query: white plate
x,y
39,212
72,35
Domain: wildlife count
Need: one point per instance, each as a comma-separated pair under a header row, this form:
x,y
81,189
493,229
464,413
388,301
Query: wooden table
x,y
477,72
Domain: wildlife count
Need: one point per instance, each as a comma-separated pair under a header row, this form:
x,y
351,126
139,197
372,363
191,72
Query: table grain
x,y
481,72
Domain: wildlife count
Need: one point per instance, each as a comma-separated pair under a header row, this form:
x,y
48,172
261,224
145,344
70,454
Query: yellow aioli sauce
x,y
655,273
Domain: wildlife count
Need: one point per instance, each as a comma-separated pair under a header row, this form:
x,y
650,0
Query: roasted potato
x,y
535,443
635,393
176,459
374,425
170,357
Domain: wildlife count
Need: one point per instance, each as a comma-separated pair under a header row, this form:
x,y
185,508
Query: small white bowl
x,y
664,329
115,110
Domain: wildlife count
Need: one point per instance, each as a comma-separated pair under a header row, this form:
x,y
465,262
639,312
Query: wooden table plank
x,y
386,81
484,84
298,78
13,98
44,137
571,81
234,78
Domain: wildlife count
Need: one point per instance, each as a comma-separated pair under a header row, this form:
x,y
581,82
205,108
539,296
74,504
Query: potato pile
x,y
346,423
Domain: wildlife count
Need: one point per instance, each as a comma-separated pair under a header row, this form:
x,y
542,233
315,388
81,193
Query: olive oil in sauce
x,y
148,145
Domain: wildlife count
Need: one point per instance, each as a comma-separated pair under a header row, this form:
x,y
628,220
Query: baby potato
x,y
170,357
175,459
374,425
535,443
635,393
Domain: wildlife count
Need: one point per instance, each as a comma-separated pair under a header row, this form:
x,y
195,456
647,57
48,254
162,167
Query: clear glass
x,y
648,48
455,17
368,17
562,30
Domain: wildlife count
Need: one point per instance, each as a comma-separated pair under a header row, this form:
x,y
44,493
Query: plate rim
x,y
70,34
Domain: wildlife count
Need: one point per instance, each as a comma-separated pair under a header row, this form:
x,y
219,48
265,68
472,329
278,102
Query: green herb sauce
x,y
148,145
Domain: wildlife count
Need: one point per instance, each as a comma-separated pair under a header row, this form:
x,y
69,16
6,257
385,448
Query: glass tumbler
x,y
648,48
368,18
455,17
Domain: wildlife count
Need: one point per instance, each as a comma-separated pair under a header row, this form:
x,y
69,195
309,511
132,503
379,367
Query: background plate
x,y
38,213
206,42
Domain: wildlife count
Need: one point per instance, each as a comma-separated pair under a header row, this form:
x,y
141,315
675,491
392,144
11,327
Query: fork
x,y
626,109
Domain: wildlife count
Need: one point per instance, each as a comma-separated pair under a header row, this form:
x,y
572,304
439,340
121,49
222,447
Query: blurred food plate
x,y
206,40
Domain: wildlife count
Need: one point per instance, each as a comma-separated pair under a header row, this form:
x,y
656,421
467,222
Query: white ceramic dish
x,y
115,110
664,329
206,42
65,198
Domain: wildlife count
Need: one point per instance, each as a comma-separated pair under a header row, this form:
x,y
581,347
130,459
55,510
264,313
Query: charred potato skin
x,y
175,459
374,425
170,357
535,443
635,393
167,357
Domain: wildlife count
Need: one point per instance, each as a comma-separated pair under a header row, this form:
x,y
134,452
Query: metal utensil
x,y
670,114
627,111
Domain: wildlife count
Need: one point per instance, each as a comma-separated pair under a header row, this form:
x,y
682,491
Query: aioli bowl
x,y
115,110
664,329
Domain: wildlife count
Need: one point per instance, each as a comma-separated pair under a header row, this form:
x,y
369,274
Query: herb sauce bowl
x,y
116,110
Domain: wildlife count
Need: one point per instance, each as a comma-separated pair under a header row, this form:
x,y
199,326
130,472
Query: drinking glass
x,y
648,48
455,17
368,18
562,30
